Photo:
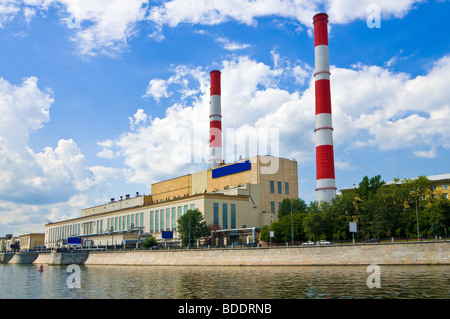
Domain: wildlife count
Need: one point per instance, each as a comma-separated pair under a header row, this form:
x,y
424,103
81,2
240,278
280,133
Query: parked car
x,y
251,244
323,242
154,248
372,240
308,243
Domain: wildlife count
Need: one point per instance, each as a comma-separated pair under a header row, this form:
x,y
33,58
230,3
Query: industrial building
x,y
236,197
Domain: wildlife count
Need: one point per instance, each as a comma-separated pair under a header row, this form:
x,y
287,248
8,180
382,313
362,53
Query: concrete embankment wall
x,y
66,258
24,258
5,257
382,254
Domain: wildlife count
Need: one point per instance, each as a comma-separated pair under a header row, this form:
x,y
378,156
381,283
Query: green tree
x,y
150,242
294,205
417,189
368,187
436,217
192,226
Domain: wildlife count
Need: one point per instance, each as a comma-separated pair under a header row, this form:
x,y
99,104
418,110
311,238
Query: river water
x,y
177,282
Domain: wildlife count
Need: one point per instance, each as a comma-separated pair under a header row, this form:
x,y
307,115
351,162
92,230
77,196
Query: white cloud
x,y
230,45
345,11
47,176
106,26
372,106
157,89
213,12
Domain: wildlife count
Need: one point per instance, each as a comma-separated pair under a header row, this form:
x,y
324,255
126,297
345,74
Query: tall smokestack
x,y
325,178
215,122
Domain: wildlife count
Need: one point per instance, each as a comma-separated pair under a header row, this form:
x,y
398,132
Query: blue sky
x,y
97,96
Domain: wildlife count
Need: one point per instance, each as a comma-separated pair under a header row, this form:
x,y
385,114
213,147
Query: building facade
x,y
31,241
239,195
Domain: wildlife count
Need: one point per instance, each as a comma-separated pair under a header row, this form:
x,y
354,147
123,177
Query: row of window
x,y
166,219
279,187
118,223
444,186
121,223
224,224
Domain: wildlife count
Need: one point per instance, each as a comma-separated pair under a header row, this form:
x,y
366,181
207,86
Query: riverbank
x,y
423,253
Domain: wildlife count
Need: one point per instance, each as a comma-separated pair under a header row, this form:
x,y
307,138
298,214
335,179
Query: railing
x,y
177,247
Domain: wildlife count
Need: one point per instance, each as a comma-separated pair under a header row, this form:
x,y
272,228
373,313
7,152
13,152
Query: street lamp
x,y
189,243
417,217
292,226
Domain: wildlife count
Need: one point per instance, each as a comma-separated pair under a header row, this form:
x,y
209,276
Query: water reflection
x,y
136,282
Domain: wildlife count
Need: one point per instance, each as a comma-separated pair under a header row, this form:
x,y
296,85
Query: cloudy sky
x,y
99,99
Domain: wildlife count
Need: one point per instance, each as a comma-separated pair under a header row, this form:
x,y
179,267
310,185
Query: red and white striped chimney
x,y
325,177
215,122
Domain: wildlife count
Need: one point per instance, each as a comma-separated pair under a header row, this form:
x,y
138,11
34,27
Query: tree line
x,y
403,208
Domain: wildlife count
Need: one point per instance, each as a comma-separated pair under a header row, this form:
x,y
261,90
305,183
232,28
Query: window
x,y
233,216
444,186
162,219
216,213
174,219
185,209
192,206
152,229
272,187
286,188
272,207
224,216
279,187
142,220
120,223
179,212
167,219
156,220
115,223
128,221
445,195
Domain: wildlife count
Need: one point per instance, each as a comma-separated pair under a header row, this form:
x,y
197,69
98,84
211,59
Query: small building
x,y
9,243
32,241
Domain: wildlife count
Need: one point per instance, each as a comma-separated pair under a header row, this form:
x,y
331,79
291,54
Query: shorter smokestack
x,y
215,122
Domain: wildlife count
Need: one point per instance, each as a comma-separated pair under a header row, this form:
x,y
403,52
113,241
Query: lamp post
x,y
292,225
189,243
417,218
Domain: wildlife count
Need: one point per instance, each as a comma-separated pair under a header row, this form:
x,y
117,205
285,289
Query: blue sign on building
x,y
231,169
74,241
167,234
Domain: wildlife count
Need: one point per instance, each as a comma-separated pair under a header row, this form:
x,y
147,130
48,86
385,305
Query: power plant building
x,y
240,195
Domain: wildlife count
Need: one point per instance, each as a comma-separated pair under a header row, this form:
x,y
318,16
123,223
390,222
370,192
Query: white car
x,y
323,242
308,243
